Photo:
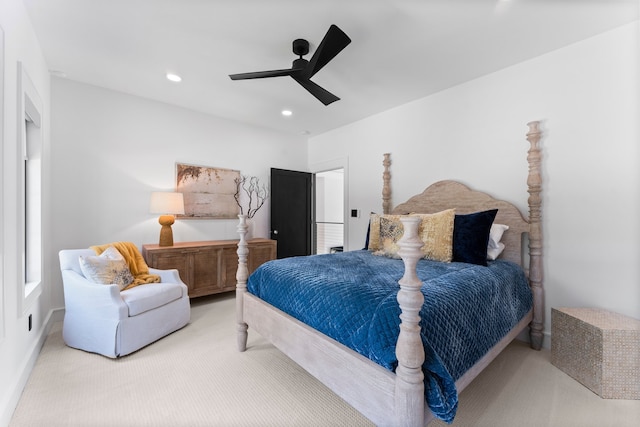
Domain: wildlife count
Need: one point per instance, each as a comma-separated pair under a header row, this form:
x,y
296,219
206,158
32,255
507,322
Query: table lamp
x,y
167,204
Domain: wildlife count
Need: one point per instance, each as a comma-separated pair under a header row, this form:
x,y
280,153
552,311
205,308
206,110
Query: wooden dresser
x,y
208,267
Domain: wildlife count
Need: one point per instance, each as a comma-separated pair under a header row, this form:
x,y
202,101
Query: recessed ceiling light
x,y
174,77
287,113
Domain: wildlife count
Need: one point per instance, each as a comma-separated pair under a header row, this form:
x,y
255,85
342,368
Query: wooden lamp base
x,y
166,233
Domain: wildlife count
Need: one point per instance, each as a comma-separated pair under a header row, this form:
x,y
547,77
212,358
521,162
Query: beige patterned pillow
x,y
107,268
391,231
436,231
374,230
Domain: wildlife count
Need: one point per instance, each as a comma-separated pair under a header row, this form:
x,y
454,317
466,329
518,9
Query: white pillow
x,y
493,253
110,267
494,247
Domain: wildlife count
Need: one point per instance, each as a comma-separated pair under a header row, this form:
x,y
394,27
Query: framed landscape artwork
x,y
208,192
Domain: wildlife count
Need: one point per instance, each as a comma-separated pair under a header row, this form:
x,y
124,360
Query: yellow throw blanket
x,y
138,267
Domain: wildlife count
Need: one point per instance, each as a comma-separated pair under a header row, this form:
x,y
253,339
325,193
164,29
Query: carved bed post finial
x,y
409,391
386,186
534,183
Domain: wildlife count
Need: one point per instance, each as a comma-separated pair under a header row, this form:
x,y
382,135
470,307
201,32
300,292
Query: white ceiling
x,y
401,50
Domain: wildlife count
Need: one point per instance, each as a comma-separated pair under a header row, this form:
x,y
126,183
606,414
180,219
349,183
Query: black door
x,y
291,212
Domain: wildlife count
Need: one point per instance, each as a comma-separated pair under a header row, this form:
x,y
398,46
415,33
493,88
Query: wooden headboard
x,y
451,194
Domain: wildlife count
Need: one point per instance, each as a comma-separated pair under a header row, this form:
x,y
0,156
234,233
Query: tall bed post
x,y
386,187
534,183
241,285
409,386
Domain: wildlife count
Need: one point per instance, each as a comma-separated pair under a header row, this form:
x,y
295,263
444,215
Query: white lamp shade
x,y
166,203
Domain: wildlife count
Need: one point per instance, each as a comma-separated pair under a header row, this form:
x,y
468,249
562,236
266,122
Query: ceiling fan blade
x,y
321,94
264,74
332,44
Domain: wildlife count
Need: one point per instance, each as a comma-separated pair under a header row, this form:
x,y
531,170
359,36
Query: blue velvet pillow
x,y
471,236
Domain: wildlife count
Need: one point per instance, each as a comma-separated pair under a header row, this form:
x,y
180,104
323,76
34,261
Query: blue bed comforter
x,y
351,297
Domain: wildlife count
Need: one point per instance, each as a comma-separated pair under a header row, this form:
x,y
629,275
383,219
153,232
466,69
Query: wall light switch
x,y
355,213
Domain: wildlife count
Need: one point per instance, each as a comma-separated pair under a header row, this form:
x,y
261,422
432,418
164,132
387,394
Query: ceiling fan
x,y
302,70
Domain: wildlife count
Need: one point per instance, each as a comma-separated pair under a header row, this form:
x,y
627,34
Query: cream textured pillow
x,y
107,268
436,231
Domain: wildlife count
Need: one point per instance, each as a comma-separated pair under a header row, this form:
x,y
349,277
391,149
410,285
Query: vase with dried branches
x,y
254,194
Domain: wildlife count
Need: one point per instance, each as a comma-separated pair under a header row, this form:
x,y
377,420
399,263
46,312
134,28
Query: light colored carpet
x,y
196,377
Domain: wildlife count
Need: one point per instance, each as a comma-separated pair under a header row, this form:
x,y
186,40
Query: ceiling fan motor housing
x,y
300,47
299,64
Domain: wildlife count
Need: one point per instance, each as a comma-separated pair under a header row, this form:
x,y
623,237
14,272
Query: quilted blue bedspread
x,y
351,297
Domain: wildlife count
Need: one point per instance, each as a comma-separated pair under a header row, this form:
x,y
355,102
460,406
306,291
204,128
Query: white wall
x,y
19,347
587,97
111,150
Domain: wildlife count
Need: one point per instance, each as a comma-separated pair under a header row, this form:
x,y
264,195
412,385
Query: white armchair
x,y
102,319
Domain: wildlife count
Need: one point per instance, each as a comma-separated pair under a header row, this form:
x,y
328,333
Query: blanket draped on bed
x,y
351,297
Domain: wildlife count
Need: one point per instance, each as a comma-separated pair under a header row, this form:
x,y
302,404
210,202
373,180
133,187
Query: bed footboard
x,y
381,396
